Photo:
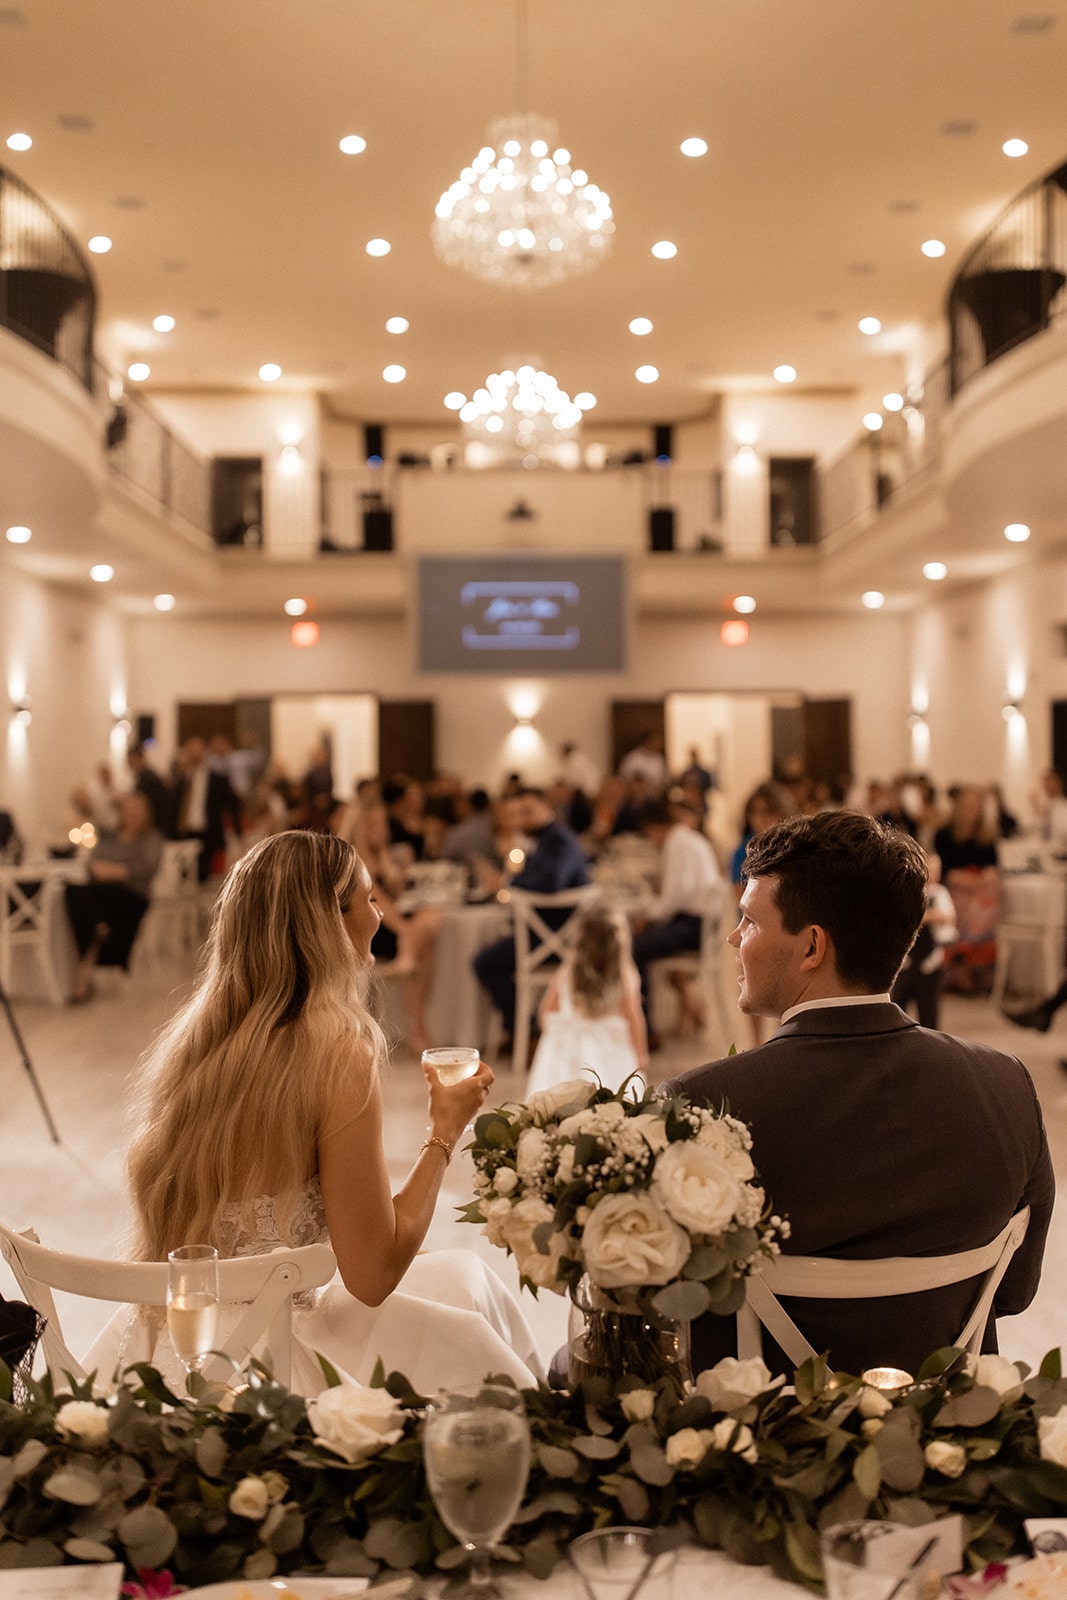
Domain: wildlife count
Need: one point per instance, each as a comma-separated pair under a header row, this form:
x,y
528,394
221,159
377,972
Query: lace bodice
x,y
254,1227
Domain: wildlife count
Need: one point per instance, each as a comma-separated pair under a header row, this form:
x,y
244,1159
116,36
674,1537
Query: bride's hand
x,y
453,1106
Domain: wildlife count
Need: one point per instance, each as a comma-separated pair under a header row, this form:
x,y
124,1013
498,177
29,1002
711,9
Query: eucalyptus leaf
x,y
681,1301
633,1499
260,1564
72,1486
539,1557
29,1458
557,1462
705,1262
651,1465
211,1453
971,1409
1051,1366
289,1534
867,1472
30,1553
149,1536
899,1451
595,1448
397,1543
802,1548
88,1550
348,1559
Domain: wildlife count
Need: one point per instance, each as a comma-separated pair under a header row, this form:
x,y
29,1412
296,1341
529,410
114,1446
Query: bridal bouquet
x,y
653,1201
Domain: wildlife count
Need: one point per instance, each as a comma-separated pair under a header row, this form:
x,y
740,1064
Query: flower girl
x,y
591,1016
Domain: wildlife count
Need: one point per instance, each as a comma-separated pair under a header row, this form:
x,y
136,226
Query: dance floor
x,y
73,1194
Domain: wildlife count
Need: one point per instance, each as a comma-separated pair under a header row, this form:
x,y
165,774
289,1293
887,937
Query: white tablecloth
x,y
458,1010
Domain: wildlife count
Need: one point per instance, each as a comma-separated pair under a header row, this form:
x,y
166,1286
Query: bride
x,y
261,1125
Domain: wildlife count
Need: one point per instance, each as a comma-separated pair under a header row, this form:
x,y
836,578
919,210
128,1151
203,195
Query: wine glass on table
x,y
476,1449
193,1302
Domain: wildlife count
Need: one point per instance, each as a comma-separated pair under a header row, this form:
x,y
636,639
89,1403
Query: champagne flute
x,y
476,1448
193,1302
453,1062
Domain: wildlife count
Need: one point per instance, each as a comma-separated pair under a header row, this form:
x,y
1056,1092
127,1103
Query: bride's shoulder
x,y
350,1082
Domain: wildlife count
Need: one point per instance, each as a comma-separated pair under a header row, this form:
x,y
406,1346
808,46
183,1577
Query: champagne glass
x,y
453,1062
476,1448
193,1302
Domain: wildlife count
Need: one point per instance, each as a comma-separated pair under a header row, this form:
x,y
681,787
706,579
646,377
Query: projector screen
x,y
521,615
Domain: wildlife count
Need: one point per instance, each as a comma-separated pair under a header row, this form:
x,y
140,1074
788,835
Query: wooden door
x,y
630,721
406,738
827,739
203,719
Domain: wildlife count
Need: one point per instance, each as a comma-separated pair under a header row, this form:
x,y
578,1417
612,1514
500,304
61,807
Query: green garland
x,y
224,1485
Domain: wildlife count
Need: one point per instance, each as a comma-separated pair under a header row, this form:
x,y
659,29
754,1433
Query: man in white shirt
x,y
690,888
646,759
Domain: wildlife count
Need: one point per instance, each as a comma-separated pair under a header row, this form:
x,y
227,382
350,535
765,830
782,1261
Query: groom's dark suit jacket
x,y
876,1137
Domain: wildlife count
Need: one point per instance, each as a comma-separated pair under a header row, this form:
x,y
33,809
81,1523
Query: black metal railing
x,y
47,296
140,448
1010,286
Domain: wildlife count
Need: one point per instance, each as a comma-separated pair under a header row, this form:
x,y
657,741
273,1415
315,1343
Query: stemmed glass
x,y
476,1447
193,1302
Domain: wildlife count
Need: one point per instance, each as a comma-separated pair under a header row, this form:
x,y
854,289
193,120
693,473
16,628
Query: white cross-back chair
x,y
261,1287
539,949
28,906
831,1278
705,967
1033,917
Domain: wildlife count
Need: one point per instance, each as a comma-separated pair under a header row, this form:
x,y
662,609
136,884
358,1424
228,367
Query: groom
x,y
875,1137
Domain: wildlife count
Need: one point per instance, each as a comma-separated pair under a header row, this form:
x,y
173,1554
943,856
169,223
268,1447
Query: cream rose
x,y
652,1129
355,1422
688,1447
997,1372
735,1436
1052,1437
83,1422
638,1405
505,1180
696,1187
944,1457
548,1103
630,1239
518,1229
721,1137
731,1384
873,1403
250,1499
495,1213
530,1152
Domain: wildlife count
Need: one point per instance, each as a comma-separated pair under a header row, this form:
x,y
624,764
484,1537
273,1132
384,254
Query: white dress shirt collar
x,y
836,1000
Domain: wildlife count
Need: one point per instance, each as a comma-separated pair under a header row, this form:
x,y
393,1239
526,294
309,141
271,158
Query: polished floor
x,y
73,1193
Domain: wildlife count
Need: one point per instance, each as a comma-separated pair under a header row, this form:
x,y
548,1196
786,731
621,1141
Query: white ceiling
x,y
204,142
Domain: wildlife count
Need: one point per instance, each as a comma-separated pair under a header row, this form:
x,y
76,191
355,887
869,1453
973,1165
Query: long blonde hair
x,y
233,1091
597,958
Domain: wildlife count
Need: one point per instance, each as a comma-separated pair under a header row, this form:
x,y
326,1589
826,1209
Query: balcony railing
x,y
141,449
1010,286
47,295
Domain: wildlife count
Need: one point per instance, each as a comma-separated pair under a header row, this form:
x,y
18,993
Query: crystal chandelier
x,y
520,215
523,411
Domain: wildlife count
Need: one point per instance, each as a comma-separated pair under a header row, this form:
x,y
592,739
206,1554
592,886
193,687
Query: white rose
x,y
630,1239
996,1372
548,1103
688,1447
495,1212
946,1458
530,1152
543,1270
250,1499
723,1137
83,1422
601,1121
518,1229
505,1180
638,1405
873,1403
735,1436
565,1164
355,1422
1052,1437
696,1187
731,1384
652,1129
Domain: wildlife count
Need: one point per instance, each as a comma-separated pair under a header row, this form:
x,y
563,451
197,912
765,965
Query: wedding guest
x,y
690,887
646,759
207,807
106,912
147,781
874,1136
10,840
260,1126
919,979
473,835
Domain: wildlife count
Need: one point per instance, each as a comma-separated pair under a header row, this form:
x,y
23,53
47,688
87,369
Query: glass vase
x,y
606,1338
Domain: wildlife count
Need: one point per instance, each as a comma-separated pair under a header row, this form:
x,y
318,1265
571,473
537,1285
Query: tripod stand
x,y
20,1045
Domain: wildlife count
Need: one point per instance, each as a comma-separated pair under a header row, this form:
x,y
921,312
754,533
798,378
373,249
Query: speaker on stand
x,y
661,528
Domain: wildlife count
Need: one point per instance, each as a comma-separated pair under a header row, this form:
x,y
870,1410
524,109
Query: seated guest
x,y
261,1126
106,912
690,886
556,862
403,800
473,835
10,840
874,1136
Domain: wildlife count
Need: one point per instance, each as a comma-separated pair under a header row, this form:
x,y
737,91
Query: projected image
x,y
530,614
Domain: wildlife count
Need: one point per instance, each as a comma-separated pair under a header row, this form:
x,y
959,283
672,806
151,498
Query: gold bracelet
x,y
441,1144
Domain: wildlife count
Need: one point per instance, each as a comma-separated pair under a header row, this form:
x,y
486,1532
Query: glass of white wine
x,y
476,1448
452,1062
193,1302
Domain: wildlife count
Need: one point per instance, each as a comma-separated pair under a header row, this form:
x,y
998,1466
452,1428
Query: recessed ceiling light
x,y
1017,532
164,602
664,250
785,374
101,573
641,325
100,244
869,325
19,141
18,535
353,144
139,371
295,607
872,421
454,400
932,248
874,599
378,247
935,571
397,325
163,324
694,147
1010,147
893,402
270,372
394,373
647,374
744,604
584,400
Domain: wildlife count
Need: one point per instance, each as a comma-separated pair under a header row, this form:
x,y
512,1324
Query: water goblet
x,y
193,1302
452,1062
476,1448
624,1563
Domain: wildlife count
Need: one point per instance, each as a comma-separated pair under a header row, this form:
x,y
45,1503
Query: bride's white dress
x,y
450,1322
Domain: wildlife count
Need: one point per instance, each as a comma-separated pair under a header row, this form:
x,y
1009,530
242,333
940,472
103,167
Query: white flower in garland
x,y
355,1422
84,1423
